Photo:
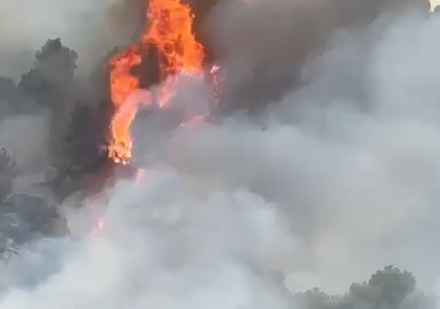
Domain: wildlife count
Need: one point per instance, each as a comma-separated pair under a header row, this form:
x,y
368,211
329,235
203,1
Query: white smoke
x,y
351,159
25,137
179,248
338,179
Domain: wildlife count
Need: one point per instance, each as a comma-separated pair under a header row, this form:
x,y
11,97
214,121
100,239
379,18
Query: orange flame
x,y
122,84
170,31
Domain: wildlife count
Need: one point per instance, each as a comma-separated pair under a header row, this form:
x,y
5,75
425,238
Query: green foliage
x,y
52,74
389,288
56,60
7,174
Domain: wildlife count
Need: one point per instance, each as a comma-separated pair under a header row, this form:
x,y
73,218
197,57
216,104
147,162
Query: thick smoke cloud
x,y
294,33
334,181
350,158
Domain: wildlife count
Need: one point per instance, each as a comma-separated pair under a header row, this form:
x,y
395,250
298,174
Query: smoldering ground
x,y
331,183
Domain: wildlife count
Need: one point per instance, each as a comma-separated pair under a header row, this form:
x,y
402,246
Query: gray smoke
x,y
350,158
337,179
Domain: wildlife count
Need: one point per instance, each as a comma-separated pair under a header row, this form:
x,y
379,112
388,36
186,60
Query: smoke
x,y
350,156
25,139
92,28
337,179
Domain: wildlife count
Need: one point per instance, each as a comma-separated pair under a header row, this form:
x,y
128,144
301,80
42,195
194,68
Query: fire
x,y
216,81
140,174
170,32
122,84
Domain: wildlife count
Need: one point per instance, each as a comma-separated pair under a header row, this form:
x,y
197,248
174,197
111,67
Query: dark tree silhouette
x,y
51,84
85,142
7,174
389,288
51,78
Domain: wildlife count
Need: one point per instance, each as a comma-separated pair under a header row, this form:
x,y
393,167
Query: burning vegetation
x,y
169,38
90,128
90,131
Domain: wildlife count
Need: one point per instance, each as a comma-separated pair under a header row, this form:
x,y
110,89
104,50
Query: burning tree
x,y
169,40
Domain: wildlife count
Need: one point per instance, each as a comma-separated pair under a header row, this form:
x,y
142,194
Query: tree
x,y
387,287
52,76
56,61
7,174
52,85
85,141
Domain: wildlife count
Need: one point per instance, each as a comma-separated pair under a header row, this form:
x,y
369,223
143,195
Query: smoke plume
x,y
335,179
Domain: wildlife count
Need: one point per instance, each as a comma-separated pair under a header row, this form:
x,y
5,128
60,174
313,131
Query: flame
x,y
214,72
140,174
170,32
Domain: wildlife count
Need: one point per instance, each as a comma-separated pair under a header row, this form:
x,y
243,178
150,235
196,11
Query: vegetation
x,y
389,288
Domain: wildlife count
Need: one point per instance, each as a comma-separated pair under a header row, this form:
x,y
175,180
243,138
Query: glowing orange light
x,y
170,31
